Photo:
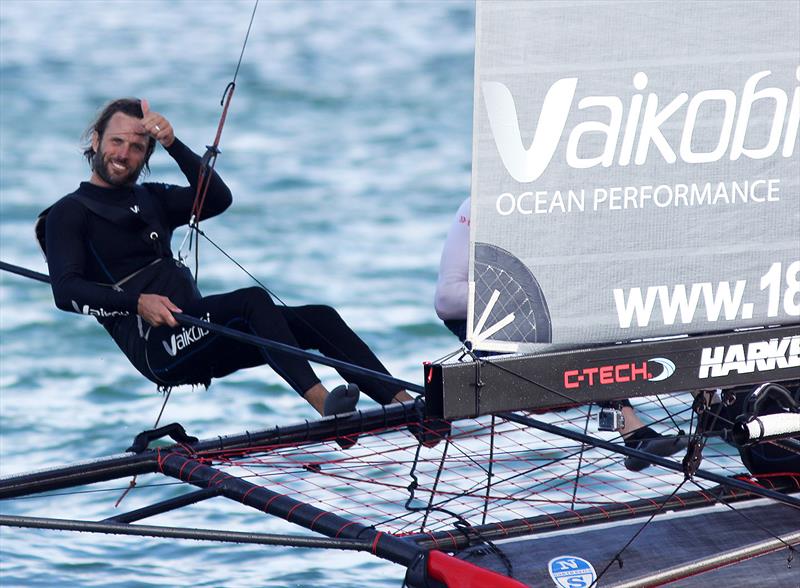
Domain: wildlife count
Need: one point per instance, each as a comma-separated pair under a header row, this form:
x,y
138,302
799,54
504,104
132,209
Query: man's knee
x,y
324,314
256,297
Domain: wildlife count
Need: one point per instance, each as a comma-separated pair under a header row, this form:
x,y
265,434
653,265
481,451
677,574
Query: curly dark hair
x,y
129,106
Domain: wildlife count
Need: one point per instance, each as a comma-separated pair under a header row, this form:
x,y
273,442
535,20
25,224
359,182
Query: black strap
x,y
153,228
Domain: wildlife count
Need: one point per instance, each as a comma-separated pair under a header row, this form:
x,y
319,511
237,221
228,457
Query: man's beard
x,y
100,167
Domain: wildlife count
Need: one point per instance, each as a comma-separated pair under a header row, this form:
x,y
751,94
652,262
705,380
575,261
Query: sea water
x,y
347,148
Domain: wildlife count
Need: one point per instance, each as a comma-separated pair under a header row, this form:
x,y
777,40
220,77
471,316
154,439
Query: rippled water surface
x,y
348,150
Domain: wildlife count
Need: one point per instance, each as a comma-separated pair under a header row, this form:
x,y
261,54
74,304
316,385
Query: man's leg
x,y
193,355
320,327
631,421
639,436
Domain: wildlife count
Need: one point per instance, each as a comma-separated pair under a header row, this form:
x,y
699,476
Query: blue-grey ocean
x,y
347,148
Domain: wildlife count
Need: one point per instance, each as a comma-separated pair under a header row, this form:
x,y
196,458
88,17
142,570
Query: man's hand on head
x,y
157,310
157,126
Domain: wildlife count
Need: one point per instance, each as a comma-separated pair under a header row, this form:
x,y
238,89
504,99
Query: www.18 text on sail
x,y
723,301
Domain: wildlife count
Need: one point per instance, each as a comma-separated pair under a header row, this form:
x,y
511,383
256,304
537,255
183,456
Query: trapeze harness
x,y
90,237
120,221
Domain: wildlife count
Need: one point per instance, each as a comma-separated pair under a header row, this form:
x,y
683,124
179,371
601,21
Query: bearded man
x,y
108,251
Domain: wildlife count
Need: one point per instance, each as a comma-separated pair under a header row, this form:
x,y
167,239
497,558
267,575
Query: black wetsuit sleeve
x,y
66,234
177,201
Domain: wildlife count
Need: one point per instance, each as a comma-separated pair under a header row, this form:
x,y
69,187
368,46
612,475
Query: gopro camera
x,y
610,419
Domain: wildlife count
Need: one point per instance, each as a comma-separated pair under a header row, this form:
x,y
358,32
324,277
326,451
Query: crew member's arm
x,y
66,262
178,201
450,301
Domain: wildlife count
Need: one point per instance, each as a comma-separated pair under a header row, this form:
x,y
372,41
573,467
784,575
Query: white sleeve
x,y
451,287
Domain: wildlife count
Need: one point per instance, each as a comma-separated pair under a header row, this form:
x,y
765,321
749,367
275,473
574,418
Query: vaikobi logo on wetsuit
x,y
98,312
186,337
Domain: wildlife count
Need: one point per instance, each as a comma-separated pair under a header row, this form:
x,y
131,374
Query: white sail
x,y
636,170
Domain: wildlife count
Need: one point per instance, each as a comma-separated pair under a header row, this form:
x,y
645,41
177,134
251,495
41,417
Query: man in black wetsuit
x,y
108,252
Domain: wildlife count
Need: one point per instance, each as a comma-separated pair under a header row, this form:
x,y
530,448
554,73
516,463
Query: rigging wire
x,y
751,520
687,477
674,423
618,556
46,495
489,473
701,430
471,491
132,483
576,482
210,159
275,296
526,473
461,524
435,486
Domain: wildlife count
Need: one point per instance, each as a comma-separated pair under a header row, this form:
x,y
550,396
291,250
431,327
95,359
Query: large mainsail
x,y
636,171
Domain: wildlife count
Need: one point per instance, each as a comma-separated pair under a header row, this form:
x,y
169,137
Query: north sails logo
x,y
99,312
630,139
569,571
619,373
135,209
760,356
185,338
